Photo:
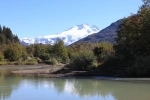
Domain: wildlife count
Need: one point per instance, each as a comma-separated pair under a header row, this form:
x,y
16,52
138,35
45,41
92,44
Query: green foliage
x,y
3,63
133,42
11,54
132,35
51,61
82,61
98,53
60,51
83,56
1,57
140,67
7,37
14,52
2,38
10,47
1,30
32,61
48,52
44,56
39,49
24,55
103,51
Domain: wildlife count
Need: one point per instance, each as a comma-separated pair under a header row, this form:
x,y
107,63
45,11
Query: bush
x,y
140,67
15,52
83,61
32,61
44,56
3,63
1,57
51,61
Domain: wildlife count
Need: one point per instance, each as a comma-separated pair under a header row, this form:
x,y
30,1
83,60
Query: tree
x,y
16,39
9,35
30,50
60,50
39,49
146,4
1,29
4,30
103,51
83,61
132,34
98,52
15,52
2,39
1,56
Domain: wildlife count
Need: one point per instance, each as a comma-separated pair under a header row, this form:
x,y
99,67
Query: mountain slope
x,y
107,34
69,36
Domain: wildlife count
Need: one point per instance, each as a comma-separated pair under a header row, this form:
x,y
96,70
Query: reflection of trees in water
x,y
38,82
59,85
89,87
129,90
81,87
118,90
7,83
99,88
102,88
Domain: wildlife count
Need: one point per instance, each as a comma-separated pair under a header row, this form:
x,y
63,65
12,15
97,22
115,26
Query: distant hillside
x,y
107,34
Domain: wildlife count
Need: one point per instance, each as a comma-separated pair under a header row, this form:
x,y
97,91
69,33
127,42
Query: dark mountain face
x,y
107,34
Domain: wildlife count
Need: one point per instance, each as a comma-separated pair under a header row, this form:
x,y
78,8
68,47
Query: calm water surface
x,y
14,87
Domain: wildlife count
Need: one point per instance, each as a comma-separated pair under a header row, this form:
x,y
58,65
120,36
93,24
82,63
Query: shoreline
x,y
59,71
52,72
84,75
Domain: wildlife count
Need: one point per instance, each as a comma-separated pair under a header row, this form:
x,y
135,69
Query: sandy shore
x,y
38,70
51,71
60,71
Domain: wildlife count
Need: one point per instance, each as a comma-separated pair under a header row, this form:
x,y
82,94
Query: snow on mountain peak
x,y
69,36
82,26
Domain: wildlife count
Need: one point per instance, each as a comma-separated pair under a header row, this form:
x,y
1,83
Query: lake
x,y
16,87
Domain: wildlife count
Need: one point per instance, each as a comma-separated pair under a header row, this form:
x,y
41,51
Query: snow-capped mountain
x,y
69,36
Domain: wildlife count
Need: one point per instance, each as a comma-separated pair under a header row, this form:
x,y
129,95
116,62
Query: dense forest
x,y
128,57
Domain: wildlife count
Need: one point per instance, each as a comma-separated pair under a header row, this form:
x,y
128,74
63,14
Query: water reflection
x,y
7,84
12,87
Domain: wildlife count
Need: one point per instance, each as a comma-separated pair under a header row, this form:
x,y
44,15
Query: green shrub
x,y
51,61
31,61
1,57
44,56
19,63
3,63
54,61
140,67
83,61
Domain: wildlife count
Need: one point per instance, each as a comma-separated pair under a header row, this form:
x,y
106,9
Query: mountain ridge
x,y
107,34
69,36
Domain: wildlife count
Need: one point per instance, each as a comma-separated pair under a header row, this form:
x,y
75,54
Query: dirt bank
x,y
52,71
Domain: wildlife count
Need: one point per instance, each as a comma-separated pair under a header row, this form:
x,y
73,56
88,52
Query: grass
x,y
32,61
3,63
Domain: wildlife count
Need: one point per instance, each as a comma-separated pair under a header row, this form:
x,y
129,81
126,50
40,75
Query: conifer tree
x,y
1,29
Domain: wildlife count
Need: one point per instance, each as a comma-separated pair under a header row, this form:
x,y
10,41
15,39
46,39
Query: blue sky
x,y
31,18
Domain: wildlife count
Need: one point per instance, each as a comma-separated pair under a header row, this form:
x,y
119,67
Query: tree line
x,y
7,37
